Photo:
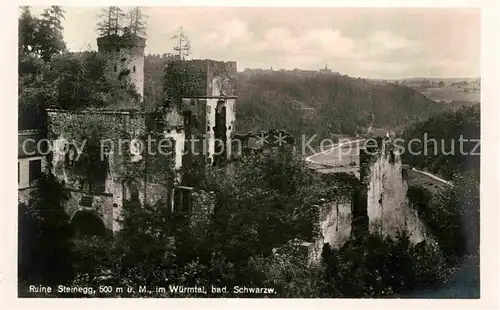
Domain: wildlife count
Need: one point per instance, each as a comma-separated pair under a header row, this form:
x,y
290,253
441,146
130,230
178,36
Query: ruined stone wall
x,y
378,203
218,78
201,124
335,221
202,207
176,131
179,140
215,109
66,128
388,208
230,105
125,55
221,78
101,205
209,112
197,127
24,170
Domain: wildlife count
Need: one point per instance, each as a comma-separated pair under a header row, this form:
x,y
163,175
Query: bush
x,y
452,215
376,267
44,236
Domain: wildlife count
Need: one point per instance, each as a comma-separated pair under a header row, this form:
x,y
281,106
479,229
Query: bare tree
x,y
137,22
183,47
111,21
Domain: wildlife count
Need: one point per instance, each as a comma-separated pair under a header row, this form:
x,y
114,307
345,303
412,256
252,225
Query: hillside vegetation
x,y
448,90
304,102
453,213
340,104
446,157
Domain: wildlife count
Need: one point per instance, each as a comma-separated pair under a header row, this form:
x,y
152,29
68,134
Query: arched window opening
x,y
86,223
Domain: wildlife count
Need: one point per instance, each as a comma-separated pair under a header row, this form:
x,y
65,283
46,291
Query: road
x,y
425,180
344,157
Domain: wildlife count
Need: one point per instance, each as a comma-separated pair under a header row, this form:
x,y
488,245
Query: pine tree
x,y
118,20
137,22
41,36
104,26
27,26
50,34
111,22
184,45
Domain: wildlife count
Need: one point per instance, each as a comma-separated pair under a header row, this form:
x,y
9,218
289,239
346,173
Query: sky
x,y
384,43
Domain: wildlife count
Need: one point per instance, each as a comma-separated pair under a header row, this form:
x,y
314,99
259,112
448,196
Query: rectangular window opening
x,y
35,171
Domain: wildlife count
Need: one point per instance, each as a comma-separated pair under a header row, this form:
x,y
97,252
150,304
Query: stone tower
x,y
125,54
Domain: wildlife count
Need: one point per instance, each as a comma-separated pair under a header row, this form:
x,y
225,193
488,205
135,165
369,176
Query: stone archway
x,y
87,223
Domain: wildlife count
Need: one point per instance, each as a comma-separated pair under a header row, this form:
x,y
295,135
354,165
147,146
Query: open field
x,y
451,93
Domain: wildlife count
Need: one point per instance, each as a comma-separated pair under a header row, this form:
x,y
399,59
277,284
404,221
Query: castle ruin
x,y
122,172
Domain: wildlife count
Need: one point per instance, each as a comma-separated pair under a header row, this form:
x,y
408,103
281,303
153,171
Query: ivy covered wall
x,y
98,153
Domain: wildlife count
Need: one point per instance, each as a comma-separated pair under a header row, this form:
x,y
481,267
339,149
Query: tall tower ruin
x,y
125,56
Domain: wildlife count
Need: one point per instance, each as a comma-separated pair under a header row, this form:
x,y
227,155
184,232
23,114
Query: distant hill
x,y
329,103
448,90
310,102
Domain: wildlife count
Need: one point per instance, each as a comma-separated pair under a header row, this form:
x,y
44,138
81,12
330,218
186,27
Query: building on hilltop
x,y
325,70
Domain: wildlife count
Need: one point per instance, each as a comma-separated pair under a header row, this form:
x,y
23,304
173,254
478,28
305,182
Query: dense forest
x,y
340,104
441,150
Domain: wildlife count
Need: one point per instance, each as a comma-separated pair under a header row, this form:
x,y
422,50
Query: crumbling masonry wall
x,y
377,203
63,130
125,56
335,218
218,78
207,116
388,208
124,169
209,120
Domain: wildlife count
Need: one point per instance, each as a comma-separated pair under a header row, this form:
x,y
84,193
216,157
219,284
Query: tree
x,y
50,34
183,48
40,40
74,81
137,22
41,36
112,21
27,26
44,236
105,25
446,128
